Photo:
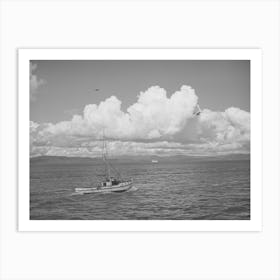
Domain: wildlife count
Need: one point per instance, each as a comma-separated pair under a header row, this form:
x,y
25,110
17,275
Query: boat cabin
x,y
110,182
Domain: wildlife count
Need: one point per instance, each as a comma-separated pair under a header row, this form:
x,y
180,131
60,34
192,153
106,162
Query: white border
x,y
25,55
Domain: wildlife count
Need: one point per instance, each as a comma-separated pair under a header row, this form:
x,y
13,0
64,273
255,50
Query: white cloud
x,y
124,148
230,126
153,116
155,124
35,82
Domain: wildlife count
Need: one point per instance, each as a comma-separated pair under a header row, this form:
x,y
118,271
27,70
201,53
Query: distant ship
x,y
111,183
154,161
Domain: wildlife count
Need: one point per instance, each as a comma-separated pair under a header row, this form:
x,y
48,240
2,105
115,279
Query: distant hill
x,y
141,158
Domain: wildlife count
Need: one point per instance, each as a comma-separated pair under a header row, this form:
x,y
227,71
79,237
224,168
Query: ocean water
x,y
167,190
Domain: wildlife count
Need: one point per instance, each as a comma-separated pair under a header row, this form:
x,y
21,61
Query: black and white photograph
x,y
139,139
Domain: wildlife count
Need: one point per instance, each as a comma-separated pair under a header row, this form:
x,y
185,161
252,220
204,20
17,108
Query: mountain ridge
x,y
142,158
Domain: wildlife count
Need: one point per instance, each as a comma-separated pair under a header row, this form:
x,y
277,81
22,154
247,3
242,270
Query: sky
x,y
144,107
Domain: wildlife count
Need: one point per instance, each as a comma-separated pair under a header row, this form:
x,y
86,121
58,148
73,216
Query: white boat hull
x,y
121,187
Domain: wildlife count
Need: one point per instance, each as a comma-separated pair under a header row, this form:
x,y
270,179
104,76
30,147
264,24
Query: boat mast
x,y
109,168
104,156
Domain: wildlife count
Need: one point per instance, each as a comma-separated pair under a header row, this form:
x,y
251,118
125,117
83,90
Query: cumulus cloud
x,y
35,81
155,124
232,125
153,116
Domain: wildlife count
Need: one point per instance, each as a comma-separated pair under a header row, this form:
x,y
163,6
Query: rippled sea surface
x,y
187,189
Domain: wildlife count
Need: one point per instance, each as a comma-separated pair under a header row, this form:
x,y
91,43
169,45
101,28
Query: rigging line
x,y
117,172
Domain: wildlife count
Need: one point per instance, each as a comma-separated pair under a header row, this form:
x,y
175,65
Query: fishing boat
x,y
113,181
154,161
